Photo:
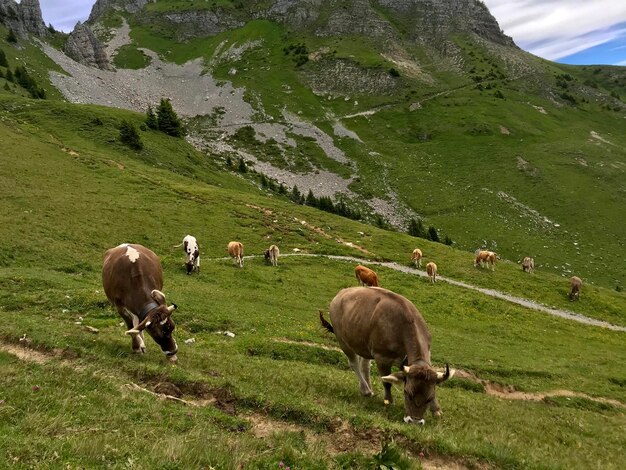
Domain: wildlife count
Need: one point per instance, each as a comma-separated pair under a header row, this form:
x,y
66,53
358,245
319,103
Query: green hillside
x,y
492,146
71,191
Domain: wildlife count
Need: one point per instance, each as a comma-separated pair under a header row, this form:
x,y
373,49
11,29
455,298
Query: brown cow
x,y
431,270
235,250
374,323
365,276
417,257
577,285
272,254
133,278
528,264
484,256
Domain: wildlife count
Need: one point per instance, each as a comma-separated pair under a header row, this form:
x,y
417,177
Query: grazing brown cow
x,y
365,276
431,270
577,284
528,264
484,256
235,250
417,257
272,254
132,278
374,323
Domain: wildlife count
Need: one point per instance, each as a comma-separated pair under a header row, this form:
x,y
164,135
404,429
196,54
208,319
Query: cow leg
x,y
365,373
197,262
384,369
132,321
435,409
356,365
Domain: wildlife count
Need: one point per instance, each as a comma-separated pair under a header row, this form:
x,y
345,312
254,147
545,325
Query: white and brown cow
x,y
271,255
431,270
133,278
375,323
235,250
485,257
192,250
528,264
417,257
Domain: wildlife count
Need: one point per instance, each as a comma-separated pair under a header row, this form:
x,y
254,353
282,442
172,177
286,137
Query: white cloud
x,y
623,62
557,28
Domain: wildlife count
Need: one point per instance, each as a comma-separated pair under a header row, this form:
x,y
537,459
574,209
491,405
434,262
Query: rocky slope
x,y
83,46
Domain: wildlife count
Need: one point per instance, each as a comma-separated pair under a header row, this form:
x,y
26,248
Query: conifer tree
x,y
11,36
3,59
168,119
151,119
130,136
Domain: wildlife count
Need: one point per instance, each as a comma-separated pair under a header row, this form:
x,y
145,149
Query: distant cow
x,y
431,270
192,250
528,264
417,257
365,276
378,324
576,285
235,250
484,256
271,255
132,278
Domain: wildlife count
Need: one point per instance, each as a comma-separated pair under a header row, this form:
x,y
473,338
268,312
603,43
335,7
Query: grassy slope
x,y
70,191
454,179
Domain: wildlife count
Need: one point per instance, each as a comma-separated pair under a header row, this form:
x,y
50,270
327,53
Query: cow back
x,y
377,322
129,274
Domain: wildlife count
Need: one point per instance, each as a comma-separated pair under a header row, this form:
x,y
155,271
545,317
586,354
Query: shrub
x,y
416,228
242,166
151,119
168,121
9,75
130,136
498,94
11,36
432,234
3,59
27,82
394,72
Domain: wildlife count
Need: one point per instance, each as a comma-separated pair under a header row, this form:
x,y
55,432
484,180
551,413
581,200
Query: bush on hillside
x,y
23,79
11,37
130,136
168,121
9,76
416,228
151,119
3,59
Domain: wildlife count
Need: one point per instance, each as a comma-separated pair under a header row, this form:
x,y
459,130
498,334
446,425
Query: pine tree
x,y
169,122
130,136
242,165
151,119
1,74
3,59
6,86
448,240
295,194
282,189
11,36
311,200
9,76
432,234
416,228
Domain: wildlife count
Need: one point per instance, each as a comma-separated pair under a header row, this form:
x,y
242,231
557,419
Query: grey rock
x,y
24,18
192,24
84,47
101,6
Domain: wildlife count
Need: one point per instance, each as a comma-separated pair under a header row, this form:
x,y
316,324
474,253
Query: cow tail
x,y
325,324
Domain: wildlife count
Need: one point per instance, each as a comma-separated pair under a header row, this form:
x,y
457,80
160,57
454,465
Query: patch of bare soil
x,y
307,343
508,392
504,130
24,353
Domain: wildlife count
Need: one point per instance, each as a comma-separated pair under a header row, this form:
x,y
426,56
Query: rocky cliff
x,y
101,6
24,18
83,46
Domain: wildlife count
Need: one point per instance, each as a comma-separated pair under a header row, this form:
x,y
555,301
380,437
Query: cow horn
x,y
158,296
406,369
442,377
171,308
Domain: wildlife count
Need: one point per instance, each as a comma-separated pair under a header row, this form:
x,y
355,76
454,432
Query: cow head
x,y
419,381
159,324
266,254
192,254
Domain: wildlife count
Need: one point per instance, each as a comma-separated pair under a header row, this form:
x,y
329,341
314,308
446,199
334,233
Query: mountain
x,y
399,109
24,17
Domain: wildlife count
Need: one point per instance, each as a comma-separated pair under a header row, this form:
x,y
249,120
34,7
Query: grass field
x,y
272,393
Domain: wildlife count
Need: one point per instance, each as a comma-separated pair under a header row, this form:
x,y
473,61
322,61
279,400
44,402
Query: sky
x,y
568,31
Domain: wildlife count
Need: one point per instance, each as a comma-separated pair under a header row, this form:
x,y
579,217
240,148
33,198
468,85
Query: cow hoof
x,y
173,358
437,414
387,402
139,351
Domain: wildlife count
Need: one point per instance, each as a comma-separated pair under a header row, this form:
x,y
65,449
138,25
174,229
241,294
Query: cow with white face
x,y
374,323
133,278
192,251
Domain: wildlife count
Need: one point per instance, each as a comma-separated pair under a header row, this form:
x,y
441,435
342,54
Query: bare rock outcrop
x,y
101,6
84,47
23,18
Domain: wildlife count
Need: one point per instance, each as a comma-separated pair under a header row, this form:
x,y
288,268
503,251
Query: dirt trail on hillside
x,y
531,304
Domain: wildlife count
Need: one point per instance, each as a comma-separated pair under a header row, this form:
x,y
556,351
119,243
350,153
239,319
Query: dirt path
x,y
531,304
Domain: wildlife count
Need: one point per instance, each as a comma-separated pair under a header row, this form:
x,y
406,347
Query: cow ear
x,y
395,378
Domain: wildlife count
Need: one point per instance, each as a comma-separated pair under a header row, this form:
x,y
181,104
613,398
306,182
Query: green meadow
x,y
278,391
